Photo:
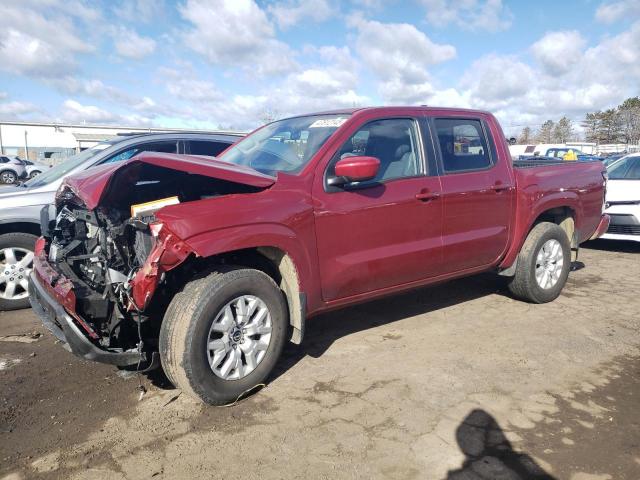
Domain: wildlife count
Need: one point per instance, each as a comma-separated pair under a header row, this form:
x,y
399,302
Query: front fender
x,y
255,235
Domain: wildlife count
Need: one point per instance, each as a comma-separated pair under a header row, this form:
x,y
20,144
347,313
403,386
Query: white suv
x,y
623,199
11,169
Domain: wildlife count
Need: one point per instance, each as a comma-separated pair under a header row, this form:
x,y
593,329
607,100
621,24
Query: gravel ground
x,y
458,381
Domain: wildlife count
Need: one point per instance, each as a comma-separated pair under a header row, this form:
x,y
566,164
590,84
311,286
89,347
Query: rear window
x,y
203,147
463,145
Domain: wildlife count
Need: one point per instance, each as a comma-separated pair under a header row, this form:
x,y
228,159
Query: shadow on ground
x,y
621,246
488,453
325,329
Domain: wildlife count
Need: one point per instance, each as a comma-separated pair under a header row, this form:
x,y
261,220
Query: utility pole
x,y
1,145
26,146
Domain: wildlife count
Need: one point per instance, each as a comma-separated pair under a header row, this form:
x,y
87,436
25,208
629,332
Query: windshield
x,y
627,168
65,167
285,145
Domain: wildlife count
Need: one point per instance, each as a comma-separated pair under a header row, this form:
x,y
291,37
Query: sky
x,y
236,63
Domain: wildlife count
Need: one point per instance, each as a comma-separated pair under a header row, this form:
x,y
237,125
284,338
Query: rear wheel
x,y
543,264
223,334
16,262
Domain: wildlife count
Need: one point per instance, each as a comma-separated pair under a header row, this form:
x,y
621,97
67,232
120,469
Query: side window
x,y
392,141
163,147
203,147
463,144
4,159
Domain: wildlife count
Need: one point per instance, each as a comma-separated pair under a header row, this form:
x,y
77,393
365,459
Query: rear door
x,y
385,232
477,190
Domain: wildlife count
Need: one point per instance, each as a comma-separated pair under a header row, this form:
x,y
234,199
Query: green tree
x,y
545,134
591,125
563,130
610,127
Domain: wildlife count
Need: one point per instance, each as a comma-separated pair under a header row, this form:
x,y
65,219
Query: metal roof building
x,y
49,143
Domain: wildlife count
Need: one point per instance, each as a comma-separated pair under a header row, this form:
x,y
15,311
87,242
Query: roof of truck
x,y
351,111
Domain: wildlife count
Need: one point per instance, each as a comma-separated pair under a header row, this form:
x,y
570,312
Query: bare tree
x,y
525,136
629,117
269,115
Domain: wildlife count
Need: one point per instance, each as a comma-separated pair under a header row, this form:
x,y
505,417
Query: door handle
x,y
427,196
499,187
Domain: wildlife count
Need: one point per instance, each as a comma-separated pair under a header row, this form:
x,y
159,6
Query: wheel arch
x,y
20,226
563,214
271,248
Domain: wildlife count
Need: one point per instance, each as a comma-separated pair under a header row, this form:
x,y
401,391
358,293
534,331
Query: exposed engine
x,y
101,250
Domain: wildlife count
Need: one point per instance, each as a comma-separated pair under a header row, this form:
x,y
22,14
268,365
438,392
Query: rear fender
x,y
565,199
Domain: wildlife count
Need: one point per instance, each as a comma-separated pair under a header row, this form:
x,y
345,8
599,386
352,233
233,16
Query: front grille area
x,y
624,229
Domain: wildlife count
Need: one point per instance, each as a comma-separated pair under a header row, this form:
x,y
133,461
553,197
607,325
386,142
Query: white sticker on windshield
x,y
328,123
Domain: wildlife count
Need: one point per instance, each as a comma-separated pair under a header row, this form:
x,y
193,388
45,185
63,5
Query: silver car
x,y
20,205
12,169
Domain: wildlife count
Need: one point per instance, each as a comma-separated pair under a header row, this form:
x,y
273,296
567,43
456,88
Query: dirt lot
x,y
457,381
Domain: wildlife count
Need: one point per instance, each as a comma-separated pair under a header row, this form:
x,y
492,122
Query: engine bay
x,y
101,250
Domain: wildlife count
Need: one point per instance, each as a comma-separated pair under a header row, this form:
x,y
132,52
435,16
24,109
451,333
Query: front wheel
x,y
8,176
543,264
16,262
223,334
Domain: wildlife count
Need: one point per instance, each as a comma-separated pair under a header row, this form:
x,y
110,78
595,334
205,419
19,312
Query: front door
x,y
385,232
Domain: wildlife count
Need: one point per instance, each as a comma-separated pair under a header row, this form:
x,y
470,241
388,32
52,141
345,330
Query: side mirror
x,y
355,169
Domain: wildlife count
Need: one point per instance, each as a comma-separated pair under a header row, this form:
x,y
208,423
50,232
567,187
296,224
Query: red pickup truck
x,y
208,266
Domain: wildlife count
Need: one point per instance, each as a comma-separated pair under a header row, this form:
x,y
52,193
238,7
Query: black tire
x,y
524,285
185,332
8,177
34,173
24,241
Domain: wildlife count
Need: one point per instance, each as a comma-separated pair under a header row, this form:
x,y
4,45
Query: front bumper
x,y
602,227
63,327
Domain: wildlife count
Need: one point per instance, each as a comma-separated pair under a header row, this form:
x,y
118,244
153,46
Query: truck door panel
x,y
384,233
477,192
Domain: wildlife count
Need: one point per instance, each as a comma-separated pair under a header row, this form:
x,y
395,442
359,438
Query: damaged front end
x,y
105,258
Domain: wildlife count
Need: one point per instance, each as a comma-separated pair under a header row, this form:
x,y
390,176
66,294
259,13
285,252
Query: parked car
x,y
623,199
209,266
560,152
11,169
610,159
20,205
33,168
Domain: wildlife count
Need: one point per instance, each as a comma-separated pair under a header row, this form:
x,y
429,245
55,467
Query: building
x,y
50,143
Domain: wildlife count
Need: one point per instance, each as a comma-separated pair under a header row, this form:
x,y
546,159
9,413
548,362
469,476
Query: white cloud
x,y
289,13
184,85
559,52
235,33
39,45
520,94
131,45
15,110
610,12
136,11
487,15
400,55
75,112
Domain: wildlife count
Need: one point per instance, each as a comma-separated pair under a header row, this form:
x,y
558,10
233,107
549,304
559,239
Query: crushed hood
x,y
90,185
